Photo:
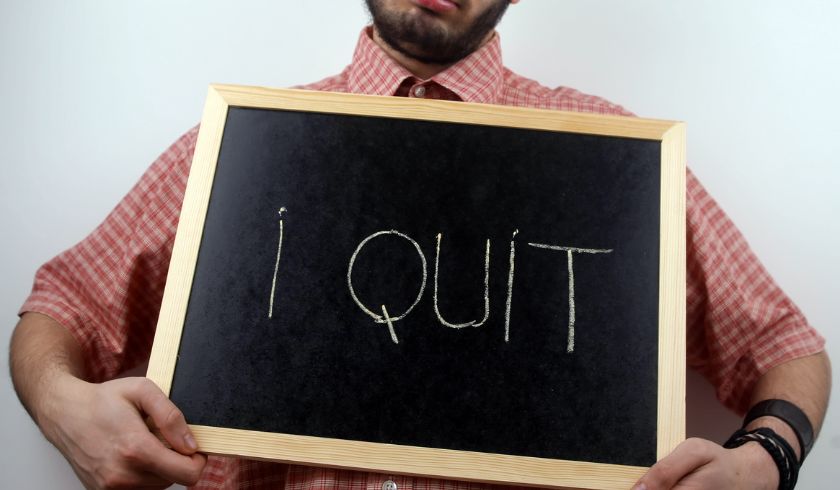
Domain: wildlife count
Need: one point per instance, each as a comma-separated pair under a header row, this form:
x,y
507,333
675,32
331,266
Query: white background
x,y
93,90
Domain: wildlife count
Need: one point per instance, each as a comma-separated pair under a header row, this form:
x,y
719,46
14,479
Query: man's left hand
x,y
698,464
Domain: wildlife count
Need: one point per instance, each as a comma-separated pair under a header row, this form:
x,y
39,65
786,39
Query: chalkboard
x,y
460,280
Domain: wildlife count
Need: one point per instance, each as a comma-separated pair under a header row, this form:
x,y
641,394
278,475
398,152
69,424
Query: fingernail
x,y
188,439
640,486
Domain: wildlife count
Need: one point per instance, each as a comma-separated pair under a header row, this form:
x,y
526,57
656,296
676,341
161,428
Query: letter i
x,y
510,286
276,266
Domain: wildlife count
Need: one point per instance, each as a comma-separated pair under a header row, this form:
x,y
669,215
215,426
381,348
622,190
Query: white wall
x,y
93,90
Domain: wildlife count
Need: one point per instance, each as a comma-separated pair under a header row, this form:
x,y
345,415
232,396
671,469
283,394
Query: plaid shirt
x,y
107,289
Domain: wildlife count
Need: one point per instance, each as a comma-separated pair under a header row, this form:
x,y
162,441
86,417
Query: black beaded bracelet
x,y
778,448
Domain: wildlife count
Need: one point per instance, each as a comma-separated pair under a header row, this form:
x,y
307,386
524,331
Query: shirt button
x,y
389,485
418,92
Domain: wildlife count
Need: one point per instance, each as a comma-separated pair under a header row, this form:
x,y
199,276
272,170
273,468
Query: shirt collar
x,y
477,78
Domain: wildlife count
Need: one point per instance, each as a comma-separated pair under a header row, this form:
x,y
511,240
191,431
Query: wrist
x,y
780,427
59,399
760,471
782,454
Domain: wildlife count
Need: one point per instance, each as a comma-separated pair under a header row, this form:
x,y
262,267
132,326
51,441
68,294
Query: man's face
x,y
436,31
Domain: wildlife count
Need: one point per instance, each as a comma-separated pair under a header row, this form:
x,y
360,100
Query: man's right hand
x,y
100,429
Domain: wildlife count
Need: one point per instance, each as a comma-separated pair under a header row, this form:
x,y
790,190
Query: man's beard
x,y
428,42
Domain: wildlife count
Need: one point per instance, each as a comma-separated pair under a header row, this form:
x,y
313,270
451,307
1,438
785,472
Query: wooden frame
x,y
460,465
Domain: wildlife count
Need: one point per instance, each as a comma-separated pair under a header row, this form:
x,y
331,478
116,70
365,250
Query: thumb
x,y
164,414
667,472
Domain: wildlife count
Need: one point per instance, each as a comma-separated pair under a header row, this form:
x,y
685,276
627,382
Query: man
x,y
93,309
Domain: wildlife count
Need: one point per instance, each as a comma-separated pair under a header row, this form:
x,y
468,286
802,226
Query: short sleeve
x,y
740,323
107,289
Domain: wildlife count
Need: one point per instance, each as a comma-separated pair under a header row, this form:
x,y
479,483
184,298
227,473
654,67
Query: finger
x,y
167,464
166,416
667,472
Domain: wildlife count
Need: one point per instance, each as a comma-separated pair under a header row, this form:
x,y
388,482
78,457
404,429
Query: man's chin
x,y
429,37
421,35
416,53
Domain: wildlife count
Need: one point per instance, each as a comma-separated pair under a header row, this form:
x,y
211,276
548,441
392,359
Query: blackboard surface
x,y
322,366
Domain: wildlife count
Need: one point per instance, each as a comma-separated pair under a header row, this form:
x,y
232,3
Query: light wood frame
x,y
441,463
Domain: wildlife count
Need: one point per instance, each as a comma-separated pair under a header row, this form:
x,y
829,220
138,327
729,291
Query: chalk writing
x,y
385,318
389,319
486,289
570,345
276,267
390,325
509,299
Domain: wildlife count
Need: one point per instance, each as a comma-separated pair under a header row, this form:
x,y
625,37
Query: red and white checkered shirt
x,y
107,289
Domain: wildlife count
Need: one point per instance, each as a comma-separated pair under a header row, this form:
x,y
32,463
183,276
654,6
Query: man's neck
x,y
419,69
